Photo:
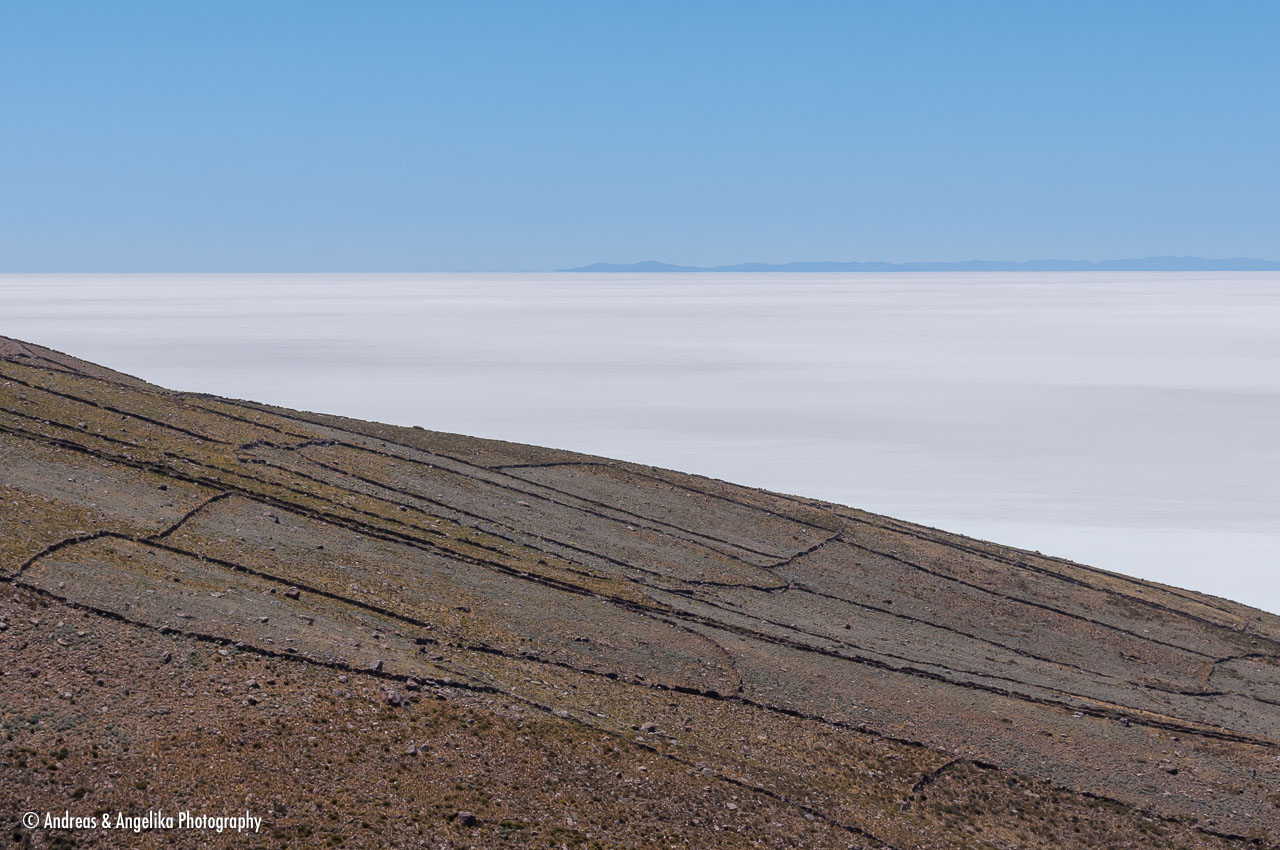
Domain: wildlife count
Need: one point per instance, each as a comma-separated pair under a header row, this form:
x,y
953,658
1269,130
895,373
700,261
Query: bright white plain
x,y
1129,421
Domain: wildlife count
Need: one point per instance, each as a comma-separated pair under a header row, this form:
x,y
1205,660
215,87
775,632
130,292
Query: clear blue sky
x,y
314,136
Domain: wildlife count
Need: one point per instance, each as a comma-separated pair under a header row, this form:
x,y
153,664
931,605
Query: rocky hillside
x,y
374,636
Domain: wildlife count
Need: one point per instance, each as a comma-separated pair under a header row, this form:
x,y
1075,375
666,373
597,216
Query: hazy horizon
x,y
1162,263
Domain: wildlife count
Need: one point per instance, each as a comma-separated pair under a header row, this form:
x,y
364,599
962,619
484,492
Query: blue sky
x,y
417,136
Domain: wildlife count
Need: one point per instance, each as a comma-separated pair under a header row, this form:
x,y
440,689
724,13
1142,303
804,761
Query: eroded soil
x,y
359,631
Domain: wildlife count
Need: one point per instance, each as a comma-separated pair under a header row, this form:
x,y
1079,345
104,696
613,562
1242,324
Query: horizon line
x,y
1189,263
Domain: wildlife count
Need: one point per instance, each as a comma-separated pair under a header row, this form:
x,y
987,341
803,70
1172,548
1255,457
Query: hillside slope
x,y
360,631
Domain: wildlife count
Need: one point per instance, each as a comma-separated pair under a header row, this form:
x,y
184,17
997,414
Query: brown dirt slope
x,y
357,631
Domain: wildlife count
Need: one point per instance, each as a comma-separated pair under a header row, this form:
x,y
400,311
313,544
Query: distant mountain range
x,y
1140,264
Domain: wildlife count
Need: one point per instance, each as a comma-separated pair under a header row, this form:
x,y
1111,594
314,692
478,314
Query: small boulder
x,y
292,593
